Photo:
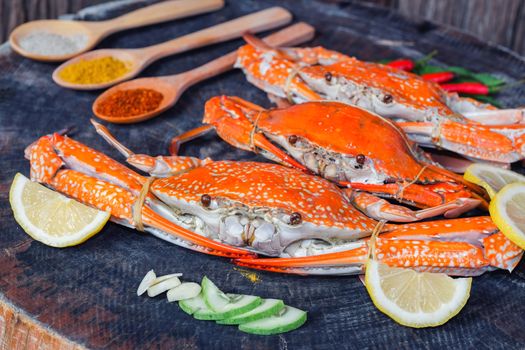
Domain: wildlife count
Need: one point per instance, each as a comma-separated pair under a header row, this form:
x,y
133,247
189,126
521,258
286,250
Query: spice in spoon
x,y
51,44
128,103
94,71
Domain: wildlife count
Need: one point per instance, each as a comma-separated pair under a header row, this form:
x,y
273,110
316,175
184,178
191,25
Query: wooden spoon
x,y
138,59
96,31
172,86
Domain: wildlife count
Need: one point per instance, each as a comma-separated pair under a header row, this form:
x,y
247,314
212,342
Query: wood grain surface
x,y
86,294
19,331
498,21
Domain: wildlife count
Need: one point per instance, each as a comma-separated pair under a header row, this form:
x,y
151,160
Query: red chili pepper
x,y
439,77
404,64
467,88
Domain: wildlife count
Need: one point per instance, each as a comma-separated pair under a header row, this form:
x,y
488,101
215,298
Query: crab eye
x,y
206,200
292,139
360,159
295,218
388,98
328,76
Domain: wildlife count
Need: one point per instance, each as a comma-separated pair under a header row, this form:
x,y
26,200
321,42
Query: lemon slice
x,y
491,178
415,299
507,210
50,217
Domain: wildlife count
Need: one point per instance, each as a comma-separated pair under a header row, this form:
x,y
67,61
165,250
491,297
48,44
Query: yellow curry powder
x,y
95,71
251,276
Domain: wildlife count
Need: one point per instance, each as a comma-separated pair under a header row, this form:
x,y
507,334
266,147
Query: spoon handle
x,y
255,22
289,36
161,12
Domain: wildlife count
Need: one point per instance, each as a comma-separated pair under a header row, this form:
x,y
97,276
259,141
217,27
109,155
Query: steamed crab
x,y
234,209
429,115
347,145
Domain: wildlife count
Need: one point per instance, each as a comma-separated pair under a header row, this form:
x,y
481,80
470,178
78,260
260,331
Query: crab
x,y
348,145
234,209
429,115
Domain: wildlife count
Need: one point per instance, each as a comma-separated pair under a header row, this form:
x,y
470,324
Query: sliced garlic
x,y
165,277
146,282
163,286
184,291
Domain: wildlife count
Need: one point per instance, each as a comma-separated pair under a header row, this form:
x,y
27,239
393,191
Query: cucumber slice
x,y
267,308
213,296
288,319
193,305
238,304
224,305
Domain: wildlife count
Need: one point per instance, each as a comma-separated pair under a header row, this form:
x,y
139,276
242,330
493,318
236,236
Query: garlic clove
x,y
186,290
163,286
165,277
146,282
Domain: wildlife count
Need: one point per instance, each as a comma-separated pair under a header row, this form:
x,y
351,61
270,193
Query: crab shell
x,y
340,142
387,91
263,206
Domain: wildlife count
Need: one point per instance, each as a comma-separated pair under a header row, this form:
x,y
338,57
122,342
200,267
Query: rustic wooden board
x,y
87,295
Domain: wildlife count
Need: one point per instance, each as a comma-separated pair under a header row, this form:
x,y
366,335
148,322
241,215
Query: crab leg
x,y
160,166
496,143
428,246
109,189
497,116
459,164
380,209
483,113
192,134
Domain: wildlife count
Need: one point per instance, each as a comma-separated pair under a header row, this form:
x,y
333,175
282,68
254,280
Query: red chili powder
x,y
127,103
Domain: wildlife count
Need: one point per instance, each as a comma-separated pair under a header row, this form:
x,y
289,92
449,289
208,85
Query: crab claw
x,y
453,258
235,121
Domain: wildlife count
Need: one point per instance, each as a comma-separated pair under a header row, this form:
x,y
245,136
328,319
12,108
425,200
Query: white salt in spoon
x,y
88,34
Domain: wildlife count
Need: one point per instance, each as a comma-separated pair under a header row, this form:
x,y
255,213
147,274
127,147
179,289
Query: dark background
x,y
87,293
497,21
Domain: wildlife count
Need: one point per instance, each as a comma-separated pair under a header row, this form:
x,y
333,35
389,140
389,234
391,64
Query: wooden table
x,y
85,296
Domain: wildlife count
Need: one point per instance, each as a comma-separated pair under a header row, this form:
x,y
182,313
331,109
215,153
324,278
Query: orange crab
x,y
429,115
232,209
348,145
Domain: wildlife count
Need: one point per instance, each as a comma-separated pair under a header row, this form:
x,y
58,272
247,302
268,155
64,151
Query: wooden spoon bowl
x,y
162,85
96,31
69,29
132,58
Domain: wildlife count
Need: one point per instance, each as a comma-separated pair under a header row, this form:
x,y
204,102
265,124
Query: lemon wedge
x,y
415,299
491,178
507,210
50,217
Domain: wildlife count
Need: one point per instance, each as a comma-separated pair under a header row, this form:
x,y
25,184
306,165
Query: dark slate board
x,y
87,293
